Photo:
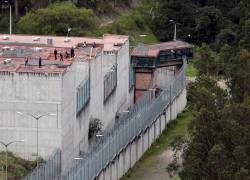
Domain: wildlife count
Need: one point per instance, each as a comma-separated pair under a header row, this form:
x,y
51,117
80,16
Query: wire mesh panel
x,y
140,117
49,170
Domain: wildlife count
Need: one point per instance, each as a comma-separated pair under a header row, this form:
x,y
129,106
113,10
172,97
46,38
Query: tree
x,y
225,59
56,19
219,148
209,102
219,145
36,4
226,36
245,42
208,24
16,8
238,13
206,61
181,12
239,77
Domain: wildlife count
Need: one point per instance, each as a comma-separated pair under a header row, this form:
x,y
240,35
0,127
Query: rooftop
x,y
153,50
15,48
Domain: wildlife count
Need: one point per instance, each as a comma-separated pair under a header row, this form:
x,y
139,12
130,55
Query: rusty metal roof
x,y
154,49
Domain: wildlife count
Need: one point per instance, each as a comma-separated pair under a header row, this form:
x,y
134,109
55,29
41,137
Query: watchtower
x,y
147,59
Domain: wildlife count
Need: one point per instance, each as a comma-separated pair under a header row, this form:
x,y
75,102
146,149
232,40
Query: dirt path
x,y
222,83
154,168
154,162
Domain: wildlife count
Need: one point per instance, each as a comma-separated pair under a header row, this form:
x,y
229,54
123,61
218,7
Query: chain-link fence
x,y
47,171
129,125
140,116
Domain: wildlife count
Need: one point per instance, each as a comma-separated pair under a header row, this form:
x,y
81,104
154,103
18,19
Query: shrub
x,y
95,126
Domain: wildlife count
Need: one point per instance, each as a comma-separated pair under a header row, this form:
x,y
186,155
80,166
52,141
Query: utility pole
x,y
10,20
10,23
36,117
175,32
175,28
69,29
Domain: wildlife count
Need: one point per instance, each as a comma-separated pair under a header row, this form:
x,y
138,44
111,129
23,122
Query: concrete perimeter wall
x,y
130,154
32,93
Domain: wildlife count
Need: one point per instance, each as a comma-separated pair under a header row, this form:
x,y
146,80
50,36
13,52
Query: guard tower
x,y
146,60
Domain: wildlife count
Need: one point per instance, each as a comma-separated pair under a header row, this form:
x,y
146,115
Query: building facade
x,y
93,83
158,63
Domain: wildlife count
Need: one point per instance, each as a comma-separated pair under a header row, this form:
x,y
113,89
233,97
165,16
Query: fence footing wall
x,y
127,158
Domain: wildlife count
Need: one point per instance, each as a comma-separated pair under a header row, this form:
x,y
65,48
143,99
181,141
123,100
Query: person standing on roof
x,y
61,56
26,61
94,45
67,54
72,52
40,62
55,53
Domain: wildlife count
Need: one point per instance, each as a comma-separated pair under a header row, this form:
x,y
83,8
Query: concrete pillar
x,y
155,135
148,144
151,132
113,169
160,123
140,146
163,122
137,142
130,155
107,173
121,164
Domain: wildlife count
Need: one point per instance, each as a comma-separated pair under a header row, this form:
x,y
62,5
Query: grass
x,y
176,178
191,71
17,167
149,161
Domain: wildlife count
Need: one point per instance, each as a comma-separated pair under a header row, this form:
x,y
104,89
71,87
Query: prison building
x,y
88,79
157,64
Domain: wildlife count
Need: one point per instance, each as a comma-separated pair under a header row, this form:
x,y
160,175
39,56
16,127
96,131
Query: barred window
x,y
166,55
131,78
110,83
82,95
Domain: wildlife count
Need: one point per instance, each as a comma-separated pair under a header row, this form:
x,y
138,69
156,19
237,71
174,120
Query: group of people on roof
x,y
72,54
67,55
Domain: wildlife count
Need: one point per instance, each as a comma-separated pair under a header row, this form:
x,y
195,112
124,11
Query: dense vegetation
x,y
218,146
85,18
219,143
56,19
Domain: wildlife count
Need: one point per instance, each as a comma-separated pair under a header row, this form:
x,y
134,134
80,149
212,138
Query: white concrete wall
x,y
123,95
35,94
75,128
134,151
40,93
120,99
163,76
99,68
